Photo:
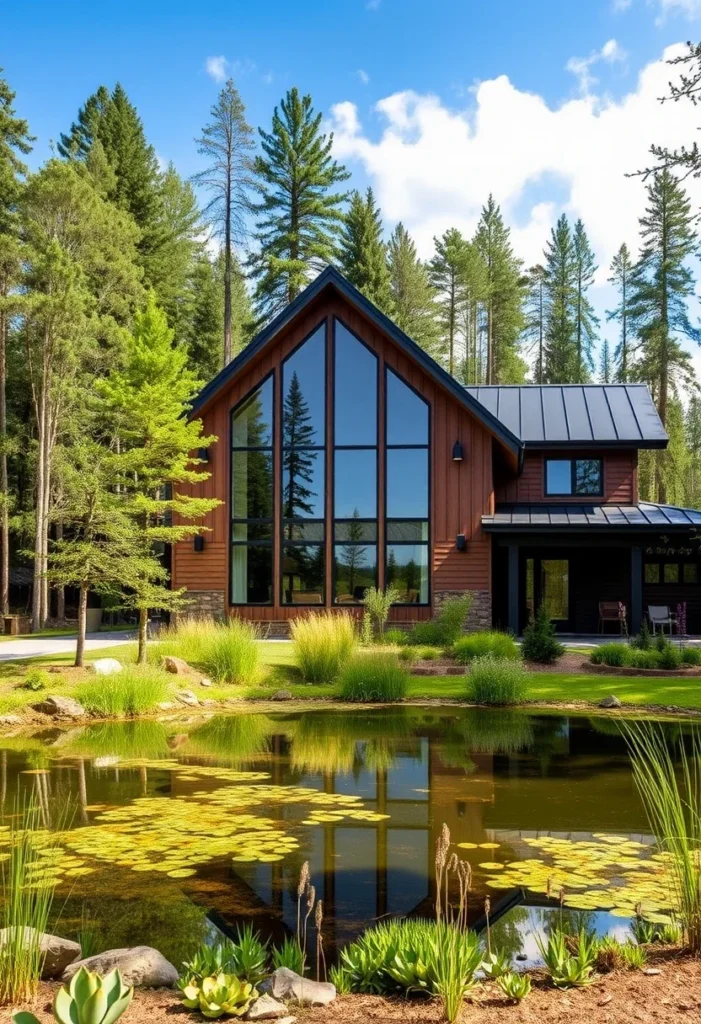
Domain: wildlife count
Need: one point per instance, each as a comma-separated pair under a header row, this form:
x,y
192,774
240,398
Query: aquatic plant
x,y
135,690
227,651
377,677
289,955
672,801
377,604
483,644
515,985
540,643
322,643
219,995
497,681
87,999
445,627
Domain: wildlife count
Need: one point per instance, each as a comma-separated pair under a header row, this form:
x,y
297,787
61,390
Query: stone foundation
x,y
480,616
202,604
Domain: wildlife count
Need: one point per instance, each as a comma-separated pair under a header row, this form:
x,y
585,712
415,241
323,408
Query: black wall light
x,y
198,542
458,453
203,454
461,542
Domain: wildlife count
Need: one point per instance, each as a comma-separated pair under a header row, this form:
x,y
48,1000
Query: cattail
x,y
303,879
487,908
311,898
319,914
453,863
320,958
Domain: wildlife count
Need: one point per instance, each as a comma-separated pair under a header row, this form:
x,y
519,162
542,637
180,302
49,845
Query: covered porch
x,y
574,558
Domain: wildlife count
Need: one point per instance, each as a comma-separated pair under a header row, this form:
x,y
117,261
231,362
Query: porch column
x,y
512,592
636,589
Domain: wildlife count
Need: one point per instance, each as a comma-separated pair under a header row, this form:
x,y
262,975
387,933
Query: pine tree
x,y
447,271
605,364
687,159
534,327
363,254
15,142
300,215
227,142
561,362
474,286
503,300
621,270
661,287
181,244
201,325
412,294
298,461
586,322
693,443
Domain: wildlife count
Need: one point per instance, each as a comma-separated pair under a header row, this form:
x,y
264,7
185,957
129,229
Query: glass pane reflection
x,y
356,391
304,392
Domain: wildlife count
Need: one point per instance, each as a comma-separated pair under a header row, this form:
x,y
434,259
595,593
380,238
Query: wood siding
x,y
460,492
620,479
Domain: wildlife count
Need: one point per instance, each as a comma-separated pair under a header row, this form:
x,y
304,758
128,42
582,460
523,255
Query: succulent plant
x,y
218,995
514,985
496,964
87,999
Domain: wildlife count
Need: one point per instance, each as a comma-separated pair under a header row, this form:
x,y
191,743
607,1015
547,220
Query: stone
x,y
141,966
165,705
106,666
60,707
10,720
652,971
177,666
287,1020
205,682
281,695
207,702
609,702
285,984
266,1008
58,953
187,697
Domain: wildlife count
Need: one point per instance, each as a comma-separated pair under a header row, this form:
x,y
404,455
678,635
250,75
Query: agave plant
x,y
496,964
515,986
218,995
87,999
410,972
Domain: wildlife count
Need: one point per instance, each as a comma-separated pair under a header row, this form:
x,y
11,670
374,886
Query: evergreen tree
x,y
693,443
412,293
503,300
561,362
447,271
586,322
621,270
687,159
202,322
534,327
605,364
300,215
474,287
363,254
181,245
298,460
661,287
15,142
227,142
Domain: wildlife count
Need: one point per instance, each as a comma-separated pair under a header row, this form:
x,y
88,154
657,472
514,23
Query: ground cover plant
x,y
484,644
376,676
497,681
322,643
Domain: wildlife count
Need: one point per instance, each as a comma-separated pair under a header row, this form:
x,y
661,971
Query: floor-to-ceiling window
x,y
407,492
354,467
252,498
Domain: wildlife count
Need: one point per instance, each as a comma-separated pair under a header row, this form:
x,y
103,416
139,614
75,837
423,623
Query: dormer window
x,y
579,477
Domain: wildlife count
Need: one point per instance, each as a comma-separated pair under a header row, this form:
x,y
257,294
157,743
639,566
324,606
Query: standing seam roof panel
x,y
578,421
554,418
602,423
622,411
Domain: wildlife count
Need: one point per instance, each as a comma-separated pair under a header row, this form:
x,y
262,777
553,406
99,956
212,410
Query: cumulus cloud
x,y
581,67
216,68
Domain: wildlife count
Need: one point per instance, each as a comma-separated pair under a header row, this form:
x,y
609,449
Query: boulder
x,y
10,720
58,953
266,1008
141,966
285,984
60,707
165,705
187,697
106,666
609,702
282,695
176,665
205,682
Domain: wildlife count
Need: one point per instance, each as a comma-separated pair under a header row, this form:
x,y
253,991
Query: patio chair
x,y
661,615
611,611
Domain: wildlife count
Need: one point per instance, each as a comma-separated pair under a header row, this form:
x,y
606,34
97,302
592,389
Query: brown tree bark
x,y
143,630
82,621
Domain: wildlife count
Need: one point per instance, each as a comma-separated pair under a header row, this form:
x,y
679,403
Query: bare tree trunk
x,y
143,623
4,486
60,590
227,273
82,621
45,532
39,529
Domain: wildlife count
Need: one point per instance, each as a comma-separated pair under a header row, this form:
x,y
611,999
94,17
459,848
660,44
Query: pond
x,y
176,825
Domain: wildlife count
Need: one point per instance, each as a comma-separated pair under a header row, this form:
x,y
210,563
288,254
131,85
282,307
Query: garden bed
x,y
630,670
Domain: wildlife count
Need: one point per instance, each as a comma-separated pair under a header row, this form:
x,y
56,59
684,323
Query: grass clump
x,y
227,651
540,643
376,677
489,643
445,628
377,604
615,655
322,644
691,656
497,681
135,690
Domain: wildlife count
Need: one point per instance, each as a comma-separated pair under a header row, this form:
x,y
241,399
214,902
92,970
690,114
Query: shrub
x,y
396,637
691,656
539,641
670,658
643,641
135,690
409,655
644,658
323,643
445,627
227,651
374,677
36,679
615,655
497,681
661,642
377,604
429,653
480,645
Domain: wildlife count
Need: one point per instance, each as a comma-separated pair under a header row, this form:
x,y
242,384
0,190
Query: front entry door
x,y
548,582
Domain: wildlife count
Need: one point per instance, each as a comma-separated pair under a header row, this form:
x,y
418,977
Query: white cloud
x,y
621,5
363,76
689,8
216,68
610,53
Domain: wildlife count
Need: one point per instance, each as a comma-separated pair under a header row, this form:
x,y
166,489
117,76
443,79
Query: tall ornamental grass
x,y
322,643
135,690
497,681
227,651
672,800
374,677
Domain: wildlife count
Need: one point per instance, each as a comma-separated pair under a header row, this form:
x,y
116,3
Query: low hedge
x,y
665,655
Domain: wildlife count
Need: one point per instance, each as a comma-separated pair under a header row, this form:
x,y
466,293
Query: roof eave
x,y
626,445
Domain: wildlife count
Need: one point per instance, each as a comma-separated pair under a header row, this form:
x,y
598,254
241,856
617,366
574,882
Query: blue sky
x,y
546,103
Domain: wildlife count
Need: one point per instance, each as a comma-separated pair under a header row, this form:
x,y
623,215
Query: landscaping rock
x,y
285,984
207,702
176,665
141,966
60,707
10,720
58,953
205,682
187,697
266,1008
282,695
106,666
165,705
609,702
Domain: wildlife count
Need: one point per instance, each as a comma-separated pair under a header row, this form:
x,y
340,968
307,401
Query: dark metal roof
x,y
565,415
331,276
571,518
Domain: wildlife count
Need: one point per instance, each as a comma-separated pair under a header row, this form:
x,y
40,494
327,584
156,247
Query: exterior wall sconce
x,y
458,453
203,454
461,542
198,542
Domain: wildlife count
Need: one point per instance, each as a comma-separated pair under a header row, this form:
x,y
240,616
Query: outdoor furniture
x,y
661,615
611,611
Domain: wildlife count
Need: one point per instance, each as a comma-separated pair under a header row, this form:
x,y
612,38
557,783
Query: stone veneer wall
x,y
480,616
202,604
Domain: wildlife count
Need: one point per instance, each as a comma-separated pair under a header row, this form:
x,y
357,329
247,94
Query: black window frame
x,y
573,493
265,543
